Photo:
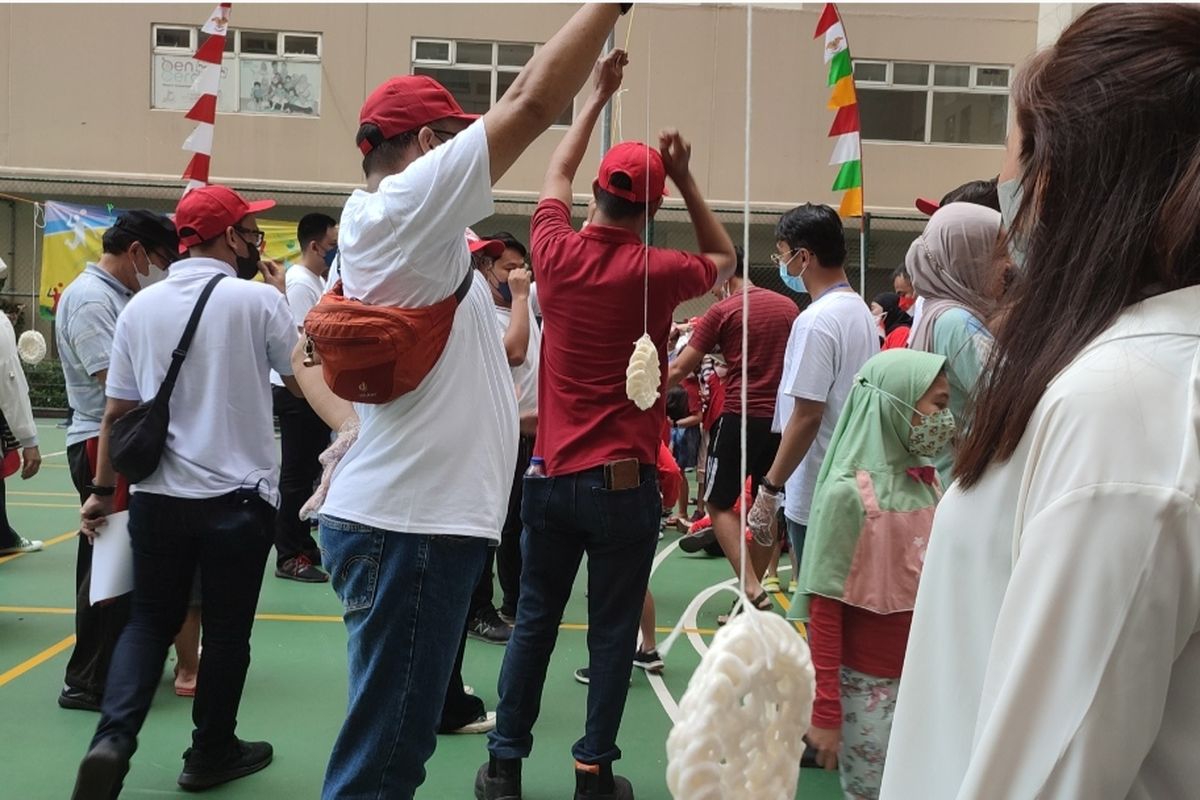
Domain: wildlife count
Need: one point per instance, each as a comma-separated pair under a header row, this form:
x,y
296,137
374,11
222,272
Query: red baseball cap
x,y
927,207
405,103
205,212
641,164
492,248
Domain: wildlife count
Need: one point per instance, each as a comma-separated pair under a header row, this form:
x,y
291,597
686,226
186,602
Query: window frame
x,y
494,68
232,59
930,88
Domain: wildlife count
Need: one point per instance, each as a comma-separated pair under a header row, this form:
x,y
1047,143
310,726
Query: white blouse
x,y
1053,651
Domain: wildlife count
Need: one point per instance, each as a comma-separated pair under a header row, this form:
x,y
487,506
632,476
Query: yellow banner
x,y
73,237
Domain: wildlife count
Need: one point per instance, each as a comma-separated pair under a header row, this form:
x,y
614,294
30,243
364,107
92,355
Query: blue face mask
x,y
330,255
505,292
792,282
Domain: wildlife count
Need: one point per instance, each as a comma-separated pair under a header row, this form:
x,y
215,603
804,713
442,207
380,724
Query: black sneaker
x,y
649,660
602,785
488,627
583,675
508,617
499,779
299,568
697,541
102,771
78,699
244,759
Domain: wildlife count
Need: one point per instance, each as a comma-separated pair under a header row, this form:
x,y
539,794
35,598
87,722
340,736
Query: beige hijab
x,y
952,266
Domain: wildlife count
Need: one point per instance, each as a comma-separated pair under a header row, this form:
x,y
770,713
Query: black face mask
x,y
247,266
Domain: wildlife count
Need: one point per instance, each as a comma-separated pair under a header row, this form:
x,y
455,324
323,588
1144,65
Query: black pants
x,y
304,437
228,538
506,557
97,628
459,708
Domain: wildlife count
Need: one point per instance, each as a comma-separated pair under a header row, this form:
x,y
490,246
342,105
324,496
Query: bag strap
x,y
185,341
460,293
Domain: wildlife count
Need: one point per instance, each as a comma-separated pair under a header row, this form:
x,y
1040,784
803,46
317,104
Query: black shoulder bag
x,y
136,441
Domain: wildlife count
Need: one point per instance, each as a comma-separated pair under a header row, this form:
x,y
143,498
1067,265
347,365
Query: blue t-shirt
x,y
86,320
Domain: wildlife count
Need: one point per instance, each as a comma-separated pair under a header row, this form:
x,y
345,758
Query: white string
x,y
646,236
745,549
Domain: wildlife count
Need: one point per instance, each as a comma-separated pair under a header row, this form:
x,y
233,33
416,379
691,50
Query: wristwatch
x,y
770,487
100,491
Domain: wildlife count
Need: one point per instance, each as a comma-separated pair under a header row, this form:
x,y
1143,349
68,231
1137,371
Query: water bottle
x,y
537,468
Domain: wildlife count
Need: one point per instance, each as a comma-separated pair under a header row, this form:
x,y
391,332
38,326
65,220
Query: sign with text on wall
x,y
74,234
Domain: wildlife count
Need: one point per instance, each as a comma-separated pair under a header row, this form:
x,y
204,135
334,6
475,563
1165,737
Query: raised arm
x,y
546,85
711,237
606,79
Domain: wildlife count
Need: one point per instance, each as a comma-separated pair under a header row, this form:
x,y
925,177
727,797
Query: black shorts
x,y
724,481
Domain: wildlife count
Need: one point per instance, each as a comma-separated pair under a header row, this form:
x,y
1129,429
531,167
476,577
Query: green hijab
x,y
874,500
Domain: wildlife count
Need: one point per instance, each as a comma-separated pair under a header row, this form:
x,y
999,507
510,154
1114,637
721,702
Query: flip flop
x,y
183,691
762,603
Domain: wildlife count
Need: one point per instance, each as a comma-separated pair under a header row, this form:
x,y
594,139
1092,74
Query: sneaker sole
x,y
695,542
76,705
481,792
298,579
653,669
195,783
481,638
100,776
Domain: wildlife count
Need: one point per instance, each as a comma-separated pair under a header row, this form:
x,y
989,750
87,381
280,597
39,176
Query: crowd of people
x,y
986,479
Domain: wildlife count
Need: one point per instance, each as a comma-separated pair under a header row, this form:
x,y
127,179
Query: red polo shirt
x,y
590,288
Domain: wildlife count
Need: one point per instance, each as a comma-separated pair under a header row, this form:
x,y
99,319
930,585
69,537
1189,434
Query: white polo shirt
x,y
220,438
525,374
304,290
439,459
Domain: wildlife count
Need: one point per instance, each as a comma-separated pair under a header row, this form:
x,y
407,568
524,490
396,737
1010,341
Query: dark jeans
x,y
303,437
404,601
460,708
228,538
565,517
506,557
97,628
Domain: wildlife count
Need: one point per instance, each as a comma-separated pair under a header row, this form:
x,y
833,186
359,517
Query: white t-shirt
x,y
1055,650
220,437
304,290
829,343
439,459
525,375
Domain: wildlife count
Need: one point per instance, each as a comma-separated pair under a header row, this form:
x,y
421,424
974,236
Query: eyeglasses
x,y
448,135
780,261
258,237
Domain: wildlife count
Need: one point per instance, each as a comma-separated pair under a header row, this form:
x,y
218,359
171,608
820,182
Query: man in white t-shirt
x,y
416,501
508,276
210,503
303,436
829,343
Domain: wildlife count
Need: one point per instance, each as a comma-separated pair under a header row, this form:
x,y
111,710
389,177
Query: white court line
x,y
54,455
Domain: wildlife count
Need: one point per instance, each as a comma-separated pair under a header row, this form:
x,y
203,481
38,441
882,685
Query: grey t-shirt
x,y
86,320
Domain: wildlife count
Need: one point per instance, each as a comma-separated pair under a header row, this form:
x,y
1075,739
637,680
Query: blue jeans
x,y
565,517
796,534
404,598
228,538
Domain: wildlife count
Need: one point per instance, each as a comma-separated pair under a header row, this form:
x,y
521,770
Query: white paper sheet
x,y
112,559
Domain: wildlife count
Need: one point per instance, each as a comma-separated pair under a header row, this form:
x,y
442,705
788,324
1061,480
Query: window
x,y
476,73
262,72
913,101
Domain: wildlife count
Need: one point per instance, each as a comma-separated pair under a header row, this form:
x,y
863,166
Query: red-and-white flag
x,y
204,112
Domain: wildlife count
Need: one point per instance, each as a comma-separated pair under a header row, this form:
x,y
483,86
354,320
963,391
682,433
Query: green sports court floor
x,y
296,690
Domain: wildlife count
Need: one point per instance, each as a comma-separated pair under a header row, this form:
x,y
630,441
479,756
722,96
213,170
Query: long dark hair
x,y
1110,148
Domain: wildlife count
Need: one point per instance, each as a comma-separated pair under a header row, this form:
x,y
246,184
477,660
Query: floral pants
x,y
868,704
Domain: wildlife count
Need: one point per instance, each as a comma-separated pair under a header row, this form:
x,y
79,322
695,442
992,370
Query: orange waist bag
x,y
374,354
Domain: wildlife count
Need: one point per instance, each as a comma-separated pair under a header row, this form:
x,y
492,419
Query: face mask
x,y
153,275
907,302
793,282
505,292
247,266
330,255
1010,194
932,434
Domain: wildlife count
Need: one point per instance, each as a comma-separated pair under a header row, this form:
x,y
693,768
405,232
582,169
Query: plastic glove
x,y
762,516
332,456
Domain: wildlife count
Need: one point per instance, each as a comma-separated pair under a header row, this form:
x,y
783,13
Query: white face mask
x,y
153,274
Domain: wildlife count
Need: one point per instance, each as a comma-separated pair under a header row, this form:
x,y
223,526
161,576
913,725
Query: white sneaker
x,y
468,690
23,545
481,725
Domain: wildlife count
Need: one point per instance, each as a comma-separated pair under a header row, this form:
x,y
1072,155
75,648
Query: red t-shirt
x,y
590,288
716,401
897,338
771,318
691,385
862,640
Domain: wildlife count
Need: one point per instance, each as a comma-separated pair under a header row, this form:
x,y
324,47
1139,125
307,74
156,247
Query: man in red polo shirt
x,y
600,494
770,322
